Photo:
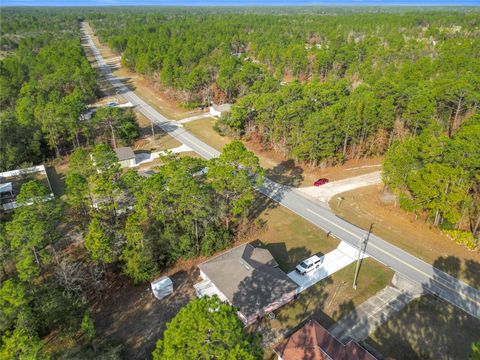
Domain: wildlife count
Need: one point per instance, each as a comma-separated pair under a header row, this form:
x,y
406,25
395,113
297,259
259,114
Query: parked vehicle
x,y
308,265
320,182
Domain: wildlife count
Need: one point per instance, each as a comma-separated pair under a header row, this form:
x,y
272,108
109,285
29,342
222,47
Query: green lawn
x,y
427,328
203,129
289,237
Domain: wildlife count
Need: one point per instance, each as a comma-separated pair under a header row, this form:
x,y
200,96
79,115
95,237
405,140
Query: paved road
x,y
433,280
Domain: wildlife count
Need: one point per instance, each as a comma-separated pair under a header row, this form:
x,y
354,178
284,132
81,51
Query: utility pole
x,y
361,244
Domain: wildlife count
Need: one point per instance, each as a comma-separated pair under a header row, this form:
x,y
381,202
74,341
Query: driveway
x,y
332,262
146,157
325,192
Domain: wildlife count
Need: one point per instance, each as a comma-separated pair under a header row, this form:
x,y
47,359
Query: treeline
x,y
199,53
45,86
439,176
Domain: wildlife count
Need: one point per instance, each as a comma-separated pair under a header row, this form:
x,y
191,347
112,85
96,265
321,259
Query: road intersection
x,y
431,279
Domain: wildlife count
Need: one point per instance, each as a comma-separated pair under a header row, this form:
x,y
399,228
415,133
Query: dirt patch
x,y
132,316
368,205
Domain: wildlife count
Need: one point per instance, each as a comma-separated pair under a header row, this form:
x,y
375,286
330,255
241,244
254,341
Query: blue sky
x,y
230,2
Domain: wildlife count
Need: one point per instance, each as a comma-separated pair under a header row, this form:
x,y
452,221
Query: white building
x,y
126,156
218,110
12,181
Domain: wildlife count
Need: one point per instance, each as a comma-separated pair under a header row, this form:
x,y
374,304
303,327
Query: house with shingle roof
x,y
248,278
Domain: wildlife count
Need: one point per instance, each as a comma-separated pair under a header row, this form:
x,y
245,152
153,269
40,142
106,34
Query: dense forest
x,y
45,81
322,89
318,85
363,80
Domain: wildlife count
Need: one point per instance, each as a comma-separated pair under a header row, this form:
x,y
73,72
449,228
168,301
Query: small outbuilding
x,y
126,156
218,110
162,287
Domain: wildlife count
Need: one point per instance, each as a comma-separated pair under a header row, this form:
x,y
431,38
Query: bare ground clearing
x,y
132,316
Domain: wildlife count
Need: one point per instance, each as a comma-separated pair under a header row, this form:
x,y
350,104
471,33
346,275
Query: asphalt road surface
x,y
432,279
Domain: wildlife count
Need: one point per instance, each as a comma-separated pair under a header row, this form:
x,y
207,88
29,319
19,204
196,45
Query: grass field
x,y
365,206
427,329
289,237
203,129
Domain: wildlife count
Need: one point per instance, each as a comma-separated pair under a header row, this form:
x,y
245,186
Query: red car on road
x,y
320,182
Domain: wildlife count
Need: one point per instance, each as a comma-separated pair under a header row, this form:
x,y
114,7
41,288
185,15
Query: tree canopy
x,y
207,328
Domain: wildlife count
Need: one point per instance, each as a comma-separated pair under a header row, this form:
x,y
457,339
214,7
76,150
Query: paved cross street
x,y
431,279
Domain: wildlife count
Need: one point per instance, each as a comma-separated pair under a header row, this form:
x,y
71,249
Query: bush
x,y
461,237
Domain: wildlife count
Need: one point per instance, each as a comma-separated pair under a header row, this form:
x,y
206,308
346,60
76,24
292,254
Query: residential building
x,y
313,342
218,110
126,156
248,278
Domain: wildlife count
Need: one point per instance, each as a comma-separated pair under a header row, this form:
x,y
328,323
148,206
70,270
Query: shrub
x,y
461,237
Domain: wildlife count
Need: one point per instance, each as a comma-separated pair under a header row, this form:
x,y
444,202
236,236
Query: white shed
x,y
162,287
218,110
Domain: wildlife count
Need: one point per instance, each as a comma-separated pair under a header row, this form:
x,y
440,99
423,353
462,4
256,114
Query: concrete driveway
x,y
332,262
325,192
146,157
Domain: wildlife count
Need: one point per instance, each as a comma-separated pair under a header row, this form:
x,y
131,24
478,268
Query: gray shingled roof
x,y
249,278
124,153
